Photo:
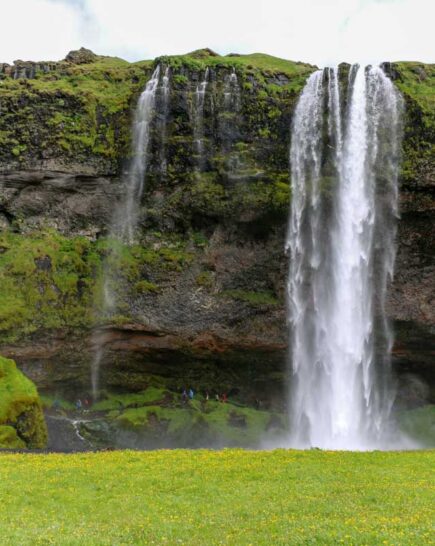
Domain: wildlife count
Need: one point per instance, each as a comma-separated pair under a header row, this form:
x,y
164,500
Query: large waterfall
x,y
344,167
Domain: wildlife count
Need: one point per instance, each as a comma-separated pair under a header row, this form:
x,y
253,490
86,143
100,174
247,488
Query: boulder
x,y
22,422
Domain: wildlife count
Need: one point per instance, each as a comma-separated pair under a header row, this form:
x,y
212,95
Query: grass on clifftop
x,y
418,80
229,497
203,57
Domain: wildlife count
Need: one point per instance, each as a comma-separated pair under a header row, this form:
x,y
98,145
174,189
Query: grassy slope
x,y
260,61
259,65
225,497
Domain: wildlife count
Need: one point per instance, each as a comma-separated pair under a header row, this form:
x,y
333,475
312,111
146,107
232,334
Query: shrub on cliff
x,y
21,419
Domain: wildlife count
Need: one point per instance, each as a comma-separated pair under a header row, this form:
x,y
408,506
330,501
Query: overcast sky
x,y
318,31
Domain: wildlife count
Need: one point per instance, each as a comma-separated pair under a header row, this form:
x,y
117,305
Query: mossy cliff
x,y
22,423
69,115
206,277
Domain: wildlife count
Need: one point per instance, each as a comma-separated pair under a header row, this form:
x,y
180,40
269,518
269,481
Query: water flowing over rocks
x,y
204,287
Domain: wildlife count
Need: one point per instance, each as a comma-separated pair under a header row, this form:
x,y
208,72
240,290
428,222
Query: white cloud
x,y
317,31
37,30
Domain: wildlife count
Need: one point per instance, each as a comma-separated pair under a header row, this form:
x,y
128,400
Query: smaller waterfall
x,y
165,92
126,215
198,119
232,96
230,122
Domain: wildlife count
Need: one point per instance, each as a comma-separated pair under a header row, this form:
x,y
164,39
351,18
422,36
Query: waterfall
x,y
126,215
198,119
341,239
232,98
230,122
165,91
125,223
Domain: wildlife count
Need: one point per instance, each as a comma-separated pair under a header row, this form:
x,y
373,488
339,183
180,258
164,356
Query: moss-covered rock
x,y
199,423
416,82
69,112
21,419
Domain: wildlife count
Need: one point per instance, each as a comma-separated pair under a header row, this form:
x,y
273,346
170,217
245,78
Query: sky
x,y
321,32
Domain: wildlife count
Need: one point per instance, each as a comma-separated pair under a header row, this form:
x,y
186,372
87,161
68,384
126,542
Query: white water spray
x,y
341,240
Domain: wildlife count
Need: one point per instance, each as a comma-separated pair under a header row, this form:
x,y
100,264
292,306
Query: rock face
x,y
204,287
22,423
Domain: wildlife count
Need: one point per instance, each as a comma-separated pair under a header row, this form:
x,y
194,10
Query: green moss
x,y
416,81
265,197
174,257
260,62
75,110
180,79
199,239
48,402
9,438
149,416
20,408
200,421
243,426
46,281
208,196
205,279
145,287
253,298
151,395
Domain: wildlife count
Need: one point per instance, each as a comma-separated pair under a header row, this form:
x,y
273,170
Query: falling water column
x,y
198,119
126,215
342,256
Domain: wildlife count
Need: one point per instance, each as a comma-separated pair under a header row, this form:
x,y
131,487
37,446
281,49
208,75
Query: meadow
x,y
230,497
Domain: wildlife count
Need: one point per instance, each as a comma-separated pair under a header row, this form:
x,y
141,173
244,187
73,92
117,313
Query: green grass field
x,y
227,497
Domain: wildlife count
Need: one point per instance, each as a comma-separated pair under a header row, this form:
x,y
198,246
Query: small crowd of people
x,y
187,395
190,395
82,405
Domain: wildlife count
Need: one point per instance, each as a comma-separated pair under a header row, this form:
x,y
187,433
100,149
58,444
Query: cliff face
x,y
205,284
